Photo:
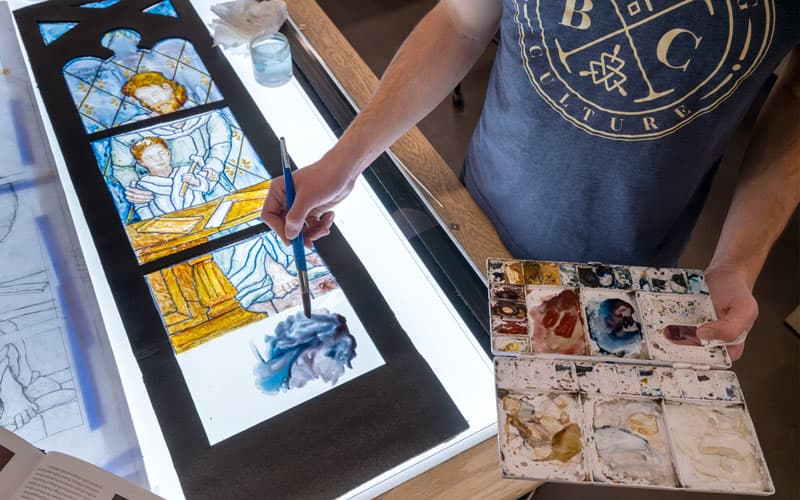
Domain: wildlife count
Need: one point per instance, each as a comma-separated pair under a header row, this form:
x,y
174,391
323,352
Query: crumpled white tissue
x,y
242,20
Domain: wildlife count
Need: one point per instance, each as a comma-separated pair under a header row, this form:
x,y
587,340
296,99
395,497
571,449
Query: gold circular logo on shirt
x,y
640,69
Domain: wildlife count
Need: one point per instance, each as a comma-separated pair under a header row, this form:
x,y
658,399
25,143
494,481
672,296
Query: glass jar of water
x,y
272,59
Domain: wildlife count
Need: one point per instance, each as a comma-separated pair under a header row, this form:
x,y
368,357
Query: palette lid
x,y
598,312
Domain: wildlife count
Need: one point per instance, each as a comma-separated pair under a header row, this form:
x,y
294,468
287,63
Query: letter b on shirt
x,y
575,17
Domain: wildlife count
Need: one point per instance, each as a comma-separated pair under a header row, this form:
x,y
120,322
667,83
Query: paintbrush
x,y
298,247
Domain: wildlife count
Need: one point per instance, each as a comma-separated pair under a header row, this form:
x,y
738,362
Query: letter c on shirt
x,y
666,42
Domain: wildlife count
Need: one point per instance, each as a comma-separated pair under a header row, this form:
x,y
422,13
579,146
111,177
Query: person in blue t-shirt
x,y
603,126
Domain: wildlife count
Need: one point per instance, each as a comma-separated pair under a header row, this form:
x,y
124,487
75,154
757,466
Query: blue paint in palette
x,y
613,326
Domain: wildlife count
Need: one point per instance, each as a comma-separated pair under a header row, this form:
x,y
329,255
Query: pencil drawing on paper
x,y
213,294
135,84
181,183
37,389
37,393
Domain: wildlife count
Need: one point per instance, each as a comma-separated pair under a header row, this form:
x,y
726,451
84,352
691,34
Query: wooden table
x,y
475,472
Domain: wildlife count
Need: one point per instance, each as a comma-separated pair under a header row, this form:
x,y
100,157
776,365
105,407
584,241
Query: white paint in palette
x,y
628,443
728,388
543,374
715,448
598,378
505,373
628,380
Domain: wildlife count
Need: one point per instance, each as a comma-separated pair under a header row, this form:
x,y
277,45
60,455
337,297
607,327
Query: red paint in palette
x,y
558,325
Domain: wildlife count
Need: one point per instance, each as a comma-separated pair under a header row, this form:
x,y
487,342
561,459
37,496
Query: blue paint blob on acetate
x,y
304,349
164,8
53,31
104,4
135,83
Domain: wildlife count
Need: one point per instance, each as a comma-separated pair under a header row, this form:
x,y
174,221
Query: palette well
x,y
606,312
627,425
601,379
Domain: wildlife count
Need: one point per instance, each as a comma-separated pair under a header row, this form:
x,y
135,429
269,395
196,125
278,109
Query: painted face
x,y
156,158
158,98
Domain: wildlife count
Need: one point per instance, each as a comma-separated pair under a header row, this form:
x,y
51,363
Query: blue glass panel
x,y
104,4
53,31
164,8
210,141
175,78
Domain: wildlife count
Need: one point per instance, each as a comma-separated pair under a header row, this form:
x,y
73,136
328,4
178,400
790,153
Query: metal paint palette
x,y
599,374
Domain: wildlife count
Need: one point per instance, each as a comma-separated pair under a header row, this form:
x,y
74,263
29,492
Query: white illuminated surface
x,y
157,461
423,311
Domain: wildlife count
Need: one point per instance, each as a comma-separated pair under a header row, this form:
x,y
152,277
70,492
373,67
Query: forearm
x,y
430,63
768,191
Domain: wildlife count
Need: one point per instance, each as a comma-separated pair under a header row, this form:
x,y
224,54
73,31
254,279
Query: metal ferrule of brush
x,y
304,290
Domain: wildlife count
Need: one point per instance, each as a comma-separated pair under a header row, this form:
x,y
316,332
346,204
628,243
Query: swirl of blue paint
x,y
615,334
303,349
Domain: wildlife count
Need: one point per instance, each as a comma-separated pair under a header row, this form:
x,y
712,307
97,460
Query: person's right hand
x,y
137,196
318,188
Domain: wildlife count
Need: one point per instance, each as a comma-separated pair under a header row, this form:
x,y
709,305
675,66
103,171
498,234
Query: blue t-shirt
x,y
604,119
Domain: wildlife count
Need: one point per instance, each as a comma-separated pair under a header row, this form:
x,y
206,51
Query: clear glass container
x,y
272,59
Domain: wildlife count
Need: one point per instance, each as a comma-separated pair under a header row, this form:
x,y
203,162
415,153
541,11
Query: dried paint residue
x,y
556,322
715,447
541,436
630,444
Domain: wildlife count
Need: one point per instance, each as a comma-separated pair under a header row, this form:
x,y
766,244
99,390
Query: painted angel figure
x,y
170,188
135,83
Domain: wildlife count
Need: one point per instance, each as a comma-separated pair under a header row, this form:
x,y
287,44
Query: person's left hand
x,y
736,308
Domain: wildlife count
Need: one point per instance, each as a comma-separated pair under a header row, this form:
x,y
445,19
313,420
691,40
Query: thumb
x,y
734,323
296,217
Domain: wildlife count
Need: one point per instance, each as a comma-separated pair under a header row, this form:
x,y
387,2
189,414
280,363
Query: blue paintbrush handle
x,y
297,243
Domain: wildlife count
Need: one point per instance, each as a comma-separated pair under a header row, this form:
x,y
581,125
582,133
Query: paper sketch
x,y
37,390
177,184
211,295
37,393
135,83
